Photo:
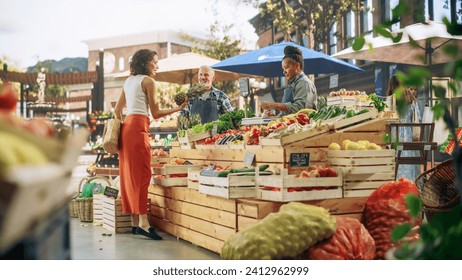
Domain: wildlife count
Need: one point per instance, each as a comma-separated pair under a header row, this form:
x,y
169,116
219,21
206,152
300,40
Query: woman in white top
x,y
139,96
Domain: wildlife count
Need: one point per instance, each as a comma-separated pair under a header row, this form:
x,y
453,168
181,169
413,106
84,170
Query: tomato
x,y
8,98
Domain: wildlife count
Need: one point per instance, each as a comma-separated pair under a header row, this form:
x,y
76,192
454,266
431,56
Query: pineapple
x,y
193,91
180,98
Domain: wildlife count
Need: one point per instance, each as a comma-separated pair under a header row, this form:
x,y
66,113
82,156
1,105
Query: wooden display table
x,y
208,221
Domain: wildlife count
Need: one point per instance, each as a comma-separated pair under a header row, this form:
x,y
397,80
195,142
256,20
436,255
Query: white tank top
x,y
137,100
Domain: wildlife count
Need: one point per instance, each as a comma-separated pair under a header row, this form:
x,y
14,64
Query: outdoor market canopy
x,y
267,62
421,44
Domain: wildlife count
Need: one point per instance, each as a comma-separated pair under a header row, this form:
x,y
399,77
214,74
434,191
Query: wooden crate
x,y
363,170
113,218
351,101
160,160
237,185
171,172
193,179
98,209
189,140
204,220
285,187
294,137
336,123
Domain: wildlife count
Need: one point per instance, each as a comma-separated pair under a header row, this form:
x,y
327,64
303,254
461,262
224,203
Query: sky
x,y
32,31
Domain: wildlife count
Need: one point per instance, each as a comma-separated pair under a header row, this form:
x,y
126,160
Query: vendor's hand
x,y
266,105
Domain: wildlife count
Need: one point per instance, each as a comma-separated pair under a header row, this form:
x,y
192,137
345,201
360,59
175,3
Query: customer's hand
x,y
184,104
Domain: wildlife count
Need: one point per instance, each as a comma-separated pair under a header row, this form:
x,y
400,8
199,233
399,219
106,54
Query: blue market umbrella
x,y
267,62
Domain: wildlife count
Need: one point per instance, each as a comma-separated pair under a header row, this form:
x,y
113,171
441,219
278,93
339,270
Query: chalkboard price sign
x,y
111,192
299,159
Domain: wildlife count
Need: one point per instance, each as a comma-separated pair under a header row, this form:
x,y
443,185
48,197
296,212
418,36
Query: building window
x,y
350,28
387,12
367,24
121,64
333,39
439,10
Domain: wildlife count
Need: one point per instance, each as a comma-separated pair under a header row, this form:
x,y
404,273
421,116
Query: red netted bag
x,y
385,208
351,241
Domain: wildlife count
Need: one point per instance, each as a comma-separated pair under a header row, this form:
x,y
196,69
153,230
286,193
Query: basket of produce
x,y
81,206
437,187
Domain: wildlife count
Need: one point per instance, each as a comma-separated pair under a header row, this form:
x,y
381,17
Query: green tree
x,y
306,17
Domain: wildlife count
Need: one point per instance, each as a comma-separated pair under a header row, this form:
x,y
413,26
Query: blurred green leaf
x,y
451,50
414,205
383,31
387,138
438,110
440,92
397,38
400,231
358,43
400,10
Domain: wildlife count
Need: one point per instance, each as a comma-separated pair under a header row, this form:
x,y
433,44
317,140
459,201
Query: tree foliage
x,y
312,18
219,46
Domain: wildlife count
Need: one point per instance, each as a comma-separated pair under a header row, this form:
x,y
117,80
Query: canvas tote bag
x,y
111,136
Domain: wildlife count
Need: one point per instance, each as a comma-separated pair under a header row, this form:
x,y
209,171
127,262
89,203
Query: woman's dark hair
x,y
295,54
393,84
140,61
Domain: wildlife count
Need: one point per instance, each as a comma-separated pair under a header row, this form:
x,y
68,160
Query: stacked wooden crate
x,y
113,218
363,170
169,175
98,209
235,185
286,187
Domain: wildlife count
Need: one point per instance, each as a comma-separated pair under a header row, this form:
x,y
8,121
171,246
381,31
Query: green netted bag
x,y
87,190
287,233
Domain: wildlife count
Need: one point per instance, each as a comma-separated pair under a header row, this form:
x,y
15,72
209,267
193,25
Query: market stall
x,y
209,209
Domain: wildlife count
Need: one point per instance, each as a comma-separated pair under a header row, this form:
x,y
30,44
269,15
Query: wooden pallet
x,y
363,171
285,187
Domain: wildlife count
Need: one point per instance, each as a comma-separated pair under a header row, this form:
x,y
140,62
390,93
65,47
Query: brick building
x,y
118,50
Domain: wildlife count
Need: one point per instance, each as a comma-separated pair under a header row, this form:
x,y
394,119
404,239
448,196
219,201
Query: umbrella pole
x,y
428,57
